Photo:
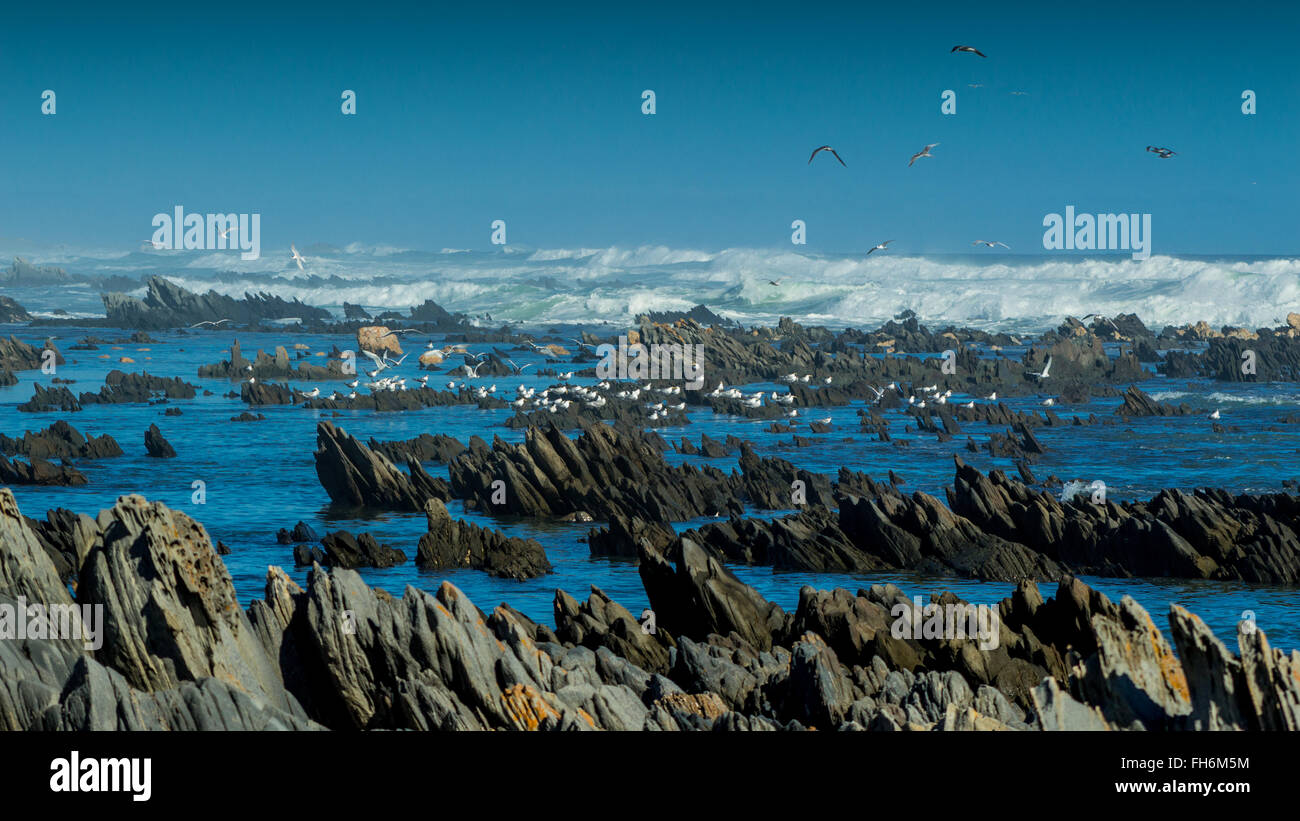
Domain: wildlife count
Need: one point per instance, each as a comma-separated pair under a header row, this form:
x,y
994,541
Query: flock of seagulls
x,y
1163,153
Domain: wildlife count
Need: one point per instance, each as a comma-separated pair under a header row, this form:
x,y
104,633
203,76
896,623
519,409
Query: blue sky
x,y
533,115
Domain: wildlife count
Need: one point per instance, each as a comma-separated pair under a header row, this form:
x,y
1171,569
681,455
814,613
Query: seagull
x,y
991,244
297,257
1163,153
155,244
775,282
973,85
1107,320
380,364
825,148
1044,373
879,247
879,394
1214,415
393,364
1021,93
924,152
992,397
1049,401
518,369
969,49
209,322
312,394
354,383
399,331
226,232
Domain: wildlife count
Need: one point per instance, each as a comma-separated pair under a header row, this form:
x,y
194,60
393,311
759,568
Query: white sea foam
x,y
518,284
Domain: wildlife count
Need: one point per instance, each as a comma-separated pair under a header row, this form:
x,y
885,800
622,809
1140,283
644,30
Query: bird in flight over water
x,y
970,49
820,149
879,247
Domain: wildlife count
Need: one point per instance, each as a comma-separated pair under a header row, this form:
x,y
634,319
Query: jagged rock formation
x,y
60,440
265,367
167,305
601,473
353,474
138,387
203,669
450,543
39,472
176,651
16,355
11,311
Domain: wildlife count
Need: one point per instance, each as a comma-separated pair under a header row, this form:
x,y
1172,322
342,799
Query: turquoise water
x,y
260,476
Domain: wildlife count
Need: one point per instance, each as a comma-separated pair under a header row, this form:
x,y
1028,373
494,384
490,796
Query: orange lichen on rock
x,y
525,707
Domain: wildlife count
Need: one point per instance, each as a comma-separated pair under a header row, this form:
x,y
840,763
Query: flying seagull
x,y
924,152
975,85
1020,93
879,247
398,331
380,364
209,322
153,243
825,148
991,244
970,49
1107,320
776,282
296,256
1044,373
1163,153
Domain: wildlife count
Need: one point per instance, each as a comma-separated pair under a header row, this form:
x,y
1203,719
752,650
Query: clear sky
x,y
532,114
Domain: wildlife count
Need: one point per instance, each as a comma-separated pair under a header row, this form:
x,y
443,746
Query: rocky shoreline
x,y
180,652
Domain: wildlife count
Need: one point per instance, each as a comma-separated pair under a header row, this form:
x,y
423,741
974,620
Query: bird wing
x,y
837,156
815,150
373,358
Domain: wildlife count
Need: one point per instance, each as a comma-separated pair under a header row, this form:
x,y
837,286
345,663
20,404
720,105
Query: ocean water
x,y
1017,292
260,476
